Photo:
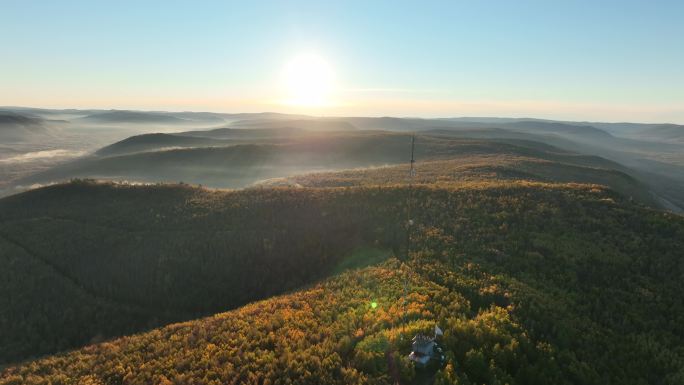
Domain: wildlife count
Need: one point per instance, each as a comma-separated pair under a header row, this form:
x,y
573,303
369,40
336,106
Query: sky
x,y
575,60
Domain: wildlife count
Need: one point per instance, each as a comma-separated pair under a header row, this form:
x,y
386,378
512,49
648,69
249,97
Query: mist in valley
x,y
43,147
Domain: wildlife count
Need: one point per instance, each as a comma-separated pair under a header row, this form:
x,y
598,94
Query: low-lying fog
x,y
40,146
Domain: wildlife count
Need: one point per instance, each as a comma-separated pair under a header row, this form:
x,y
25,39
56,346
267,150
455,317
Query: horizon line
x,y
529,118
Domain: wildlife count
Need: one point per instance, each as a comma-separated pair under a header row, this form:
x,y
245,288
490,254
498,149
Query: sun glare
x,y
308,81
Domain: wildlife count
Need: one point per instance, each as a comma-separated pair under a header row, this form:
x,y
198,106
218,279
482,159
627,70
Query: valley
x,y
252,252
239,150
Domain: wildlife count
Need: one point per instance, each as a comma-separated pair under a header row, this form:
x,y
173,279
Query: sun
x,y
308,81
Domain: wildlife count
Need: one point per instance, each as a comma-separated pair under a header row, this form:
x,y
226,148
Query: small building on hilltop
x,y
426,350
423,350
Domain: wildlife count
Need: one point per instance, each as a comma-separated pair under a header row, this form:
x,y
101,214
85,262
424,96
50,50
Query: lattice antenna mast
x,y
413,147
409,225
409,220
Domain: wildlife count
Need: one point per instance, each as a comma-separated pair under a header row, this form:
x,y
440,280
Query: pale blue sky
x,y
597,60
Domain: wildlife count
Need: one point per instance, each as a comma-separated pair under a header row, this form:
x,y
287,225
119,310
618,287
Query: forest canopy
x,y
531,282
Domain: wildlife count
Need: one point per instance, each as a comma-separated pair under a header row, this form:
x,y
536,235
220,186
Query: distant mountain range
x,y
194,146
132,117
18,127
251,157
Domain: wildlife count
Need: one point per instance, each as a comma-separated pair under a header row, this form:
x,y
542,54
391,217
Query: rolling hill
x,y
663,133
531,282
117,117
235,158
658,132
17,127
246,134
154,142
125,248
651,153
218,137
474,168
311,124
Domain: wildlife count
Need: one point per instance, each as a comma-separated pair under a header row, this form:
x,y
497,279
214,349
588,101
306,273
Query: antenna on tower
x,y
409,220
409,225
413,146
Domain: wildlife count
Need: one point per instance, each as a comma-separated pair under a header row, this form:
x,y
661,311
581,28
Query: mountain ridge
x,y
491,263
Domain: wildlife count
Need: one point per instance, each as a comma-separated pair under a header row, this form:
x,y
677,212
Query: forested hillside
x,y
532,283
238,158
238,150
480,167
176,252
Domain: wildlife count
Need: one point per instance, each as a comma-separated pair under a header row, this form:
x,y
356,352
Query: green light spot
x,y
374,305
